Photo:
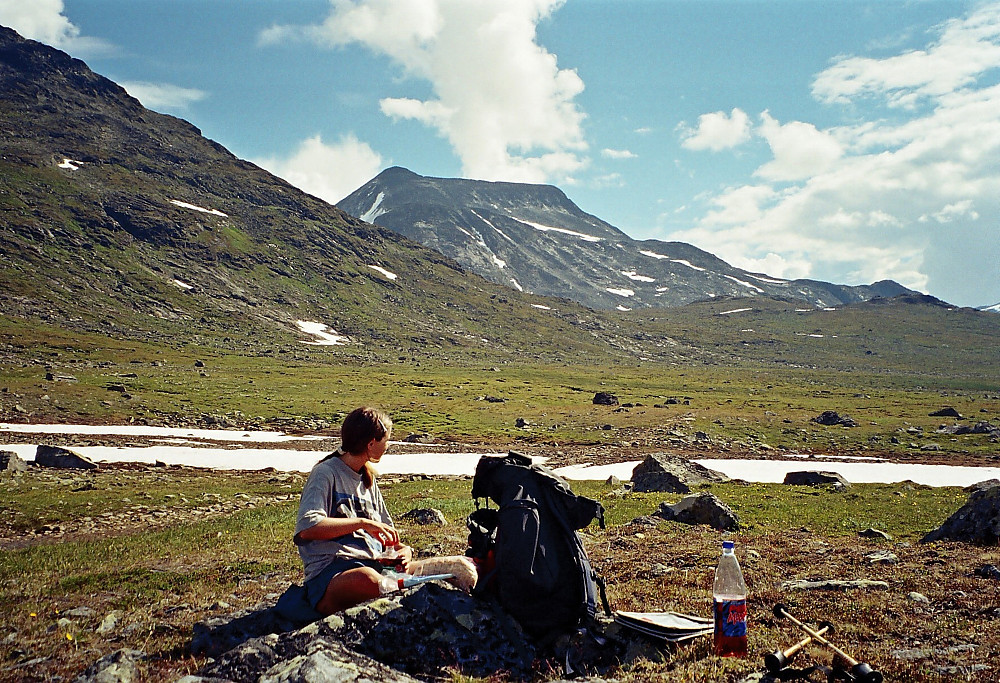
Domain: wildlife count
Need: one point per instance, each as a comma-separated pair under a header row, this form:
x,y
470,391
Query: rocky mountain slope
x,y
533,238
121,220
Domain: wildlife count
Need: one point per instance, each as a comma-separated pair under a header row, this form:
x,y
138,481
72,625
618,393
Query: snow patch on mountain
x,y
70,164
632,275
182,285
564,231
744,283
499,261
371,214
620,292
735,310
388,274
200,209
327,337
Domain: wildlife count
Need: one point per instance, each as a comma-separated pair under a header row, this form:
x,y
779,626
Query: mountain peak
x,y
535,239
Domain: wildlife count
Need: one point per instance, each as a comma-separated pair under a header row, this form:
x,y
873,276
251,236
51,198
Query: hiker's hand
x,y
383,533
404,556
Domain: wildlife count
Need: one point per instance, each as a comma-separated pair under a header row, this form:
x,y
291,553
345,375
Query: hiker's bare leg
x,y
348,589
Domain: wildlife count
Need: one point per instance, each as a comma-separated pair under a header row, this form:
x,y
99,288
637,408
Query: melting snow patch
x,y
182,285
517,286
632,275
371,214
388,274
743,282
499,261
806,334
622,308
686,263
185,205
804,310
620,292
548,228
327,337
735,310
541,306
652,254
70,164
769,281
829,308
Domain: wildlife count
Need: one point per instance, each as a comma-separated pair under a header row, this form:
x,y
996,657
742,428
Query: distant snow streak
x,y
182,285
194,207
735,310
564,231
541,307
517,285
388,274
499,261
769,280
622,308
683,262
744,283
620,292
70,164
371,214
632,275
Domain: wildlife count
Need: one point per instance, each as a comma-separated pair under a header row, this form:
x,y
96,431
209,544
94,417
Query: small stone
x,y
918,597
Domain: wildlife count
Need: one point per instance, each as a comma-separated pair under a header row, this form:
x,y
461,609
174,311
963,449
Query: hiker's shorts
x,y
316,586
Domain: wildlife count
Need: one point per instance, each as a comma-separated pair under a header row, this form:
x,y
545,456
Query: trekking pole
x,y
860,671
779,659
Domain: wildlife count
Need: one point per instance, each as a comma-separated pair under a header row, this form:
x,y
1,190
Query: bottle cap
x,y
728,545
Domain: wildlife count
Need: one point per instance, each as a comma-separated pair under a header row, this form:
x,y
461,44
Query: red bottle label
x,y
731,618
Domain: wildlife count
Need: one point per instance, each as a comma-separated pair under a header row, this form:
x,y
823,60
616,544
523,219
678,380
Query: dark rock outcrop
x,y
978,521
605,398
671,474
831,418
701,508
814,478
947,412
54,456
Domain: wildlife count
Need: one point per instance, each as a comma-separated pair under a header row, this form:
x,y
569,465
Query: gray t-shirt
x,y
335,490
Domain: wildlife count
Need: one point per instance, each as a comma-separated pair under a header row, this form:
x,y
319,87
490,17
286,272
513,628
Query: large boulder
x,y
701,508
978,521
54,456
831,418
815,478
668,473
9,460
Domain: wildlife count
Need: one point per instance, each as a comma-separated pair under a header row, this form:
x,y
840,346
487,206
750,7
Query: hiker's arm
x,y
335,527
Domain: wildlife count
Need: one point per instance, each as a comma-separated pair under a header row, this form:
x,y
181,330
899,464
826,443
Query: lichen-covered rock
x,y
701,508
426,516
11,461
121,666
978,521
671,474
422,632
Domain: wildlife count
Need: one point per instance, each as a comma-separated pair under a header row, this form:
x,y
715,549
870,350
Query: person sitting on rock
x,y
343,527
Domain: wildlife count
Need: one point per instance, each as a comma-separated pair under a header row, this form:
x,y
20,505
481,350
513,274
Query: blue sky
x,y
838,140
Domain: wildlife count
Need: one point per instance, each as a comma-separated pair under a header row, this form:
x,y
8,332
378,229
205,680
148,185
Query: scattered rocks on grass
x,y
978,521
815,478
701,508
668,473
882,557
831,418
54,456
12,462
426,516
833,585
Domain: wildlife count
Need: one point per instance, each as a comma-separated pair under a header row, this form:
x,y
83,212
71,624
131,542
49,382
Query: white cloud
x,y
899,198
967,48
163,96
331,172
800,150
717,131
43,20
499,98
618,154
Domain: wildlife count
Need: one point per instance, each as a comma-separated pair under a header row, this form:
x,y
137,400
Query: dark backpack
x,y
529,553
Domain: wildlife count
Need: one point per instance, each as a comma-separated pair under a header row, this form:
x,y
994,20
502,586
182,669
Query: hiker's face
x,y
376,448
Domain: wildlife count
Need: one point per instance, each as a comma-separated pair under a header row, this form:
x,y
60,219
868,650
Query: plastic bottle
x,y
393,581
729,595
